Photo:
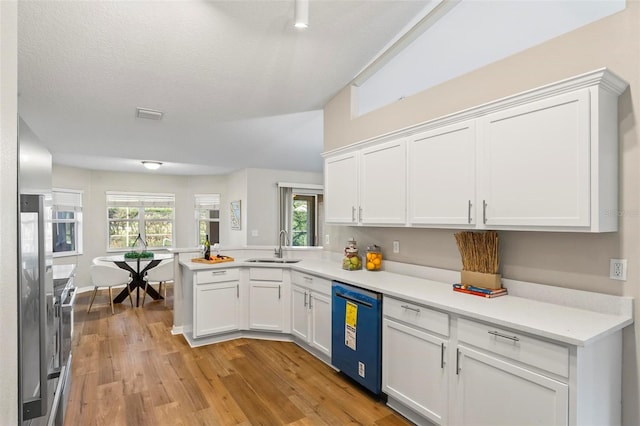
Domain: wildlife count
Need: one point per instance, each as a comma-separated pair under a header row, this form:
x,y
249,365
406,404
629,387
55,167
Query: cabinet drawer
x,y
418,315
217,276
321,285
518,346
265,274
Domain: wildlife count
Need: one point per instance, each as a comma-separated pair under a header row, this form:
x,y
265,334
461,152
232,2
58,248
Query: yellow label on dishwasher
x,y
351,315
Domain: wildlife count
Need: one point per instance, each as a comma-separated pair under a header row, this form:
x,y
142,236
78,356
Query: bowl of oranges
x,y
374,258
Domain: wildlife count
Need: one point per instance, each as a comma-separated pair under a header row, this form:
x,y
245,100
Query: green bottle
x,y
207,248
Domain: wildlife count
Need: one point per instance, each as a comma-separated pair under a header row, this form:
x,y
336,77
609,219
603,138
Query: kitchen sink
x,y
273,260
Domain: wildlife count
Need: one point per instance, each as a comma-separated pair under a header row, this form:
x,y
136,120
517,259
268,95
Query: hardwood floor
x,y
129,370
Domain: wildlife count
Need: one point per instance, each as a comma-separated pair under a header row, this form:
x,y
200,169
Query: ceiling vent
x,y
149,114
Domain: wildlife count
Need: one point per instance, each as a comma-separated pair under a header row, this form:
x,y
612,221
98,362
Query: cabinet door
x,y
493,392
265,306
300,312
341,188
442,176
535,169
217,308
320,306
383,184
414,370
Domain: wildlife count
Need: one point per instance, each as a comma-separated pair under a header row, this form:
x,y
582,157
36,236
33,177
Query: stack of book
x,y
479,291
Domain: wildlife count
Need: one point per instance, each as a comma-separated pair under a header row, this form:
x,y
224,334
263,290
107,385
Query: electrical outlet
x,y
618,269
396,246
327,239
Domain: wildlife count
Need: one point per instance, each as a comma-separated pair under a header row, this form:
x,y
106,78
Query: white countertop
x,y
561,322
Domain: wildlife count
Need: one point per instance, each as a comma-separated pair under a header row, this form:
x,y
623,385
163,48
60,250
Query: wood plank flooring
x,y
129,370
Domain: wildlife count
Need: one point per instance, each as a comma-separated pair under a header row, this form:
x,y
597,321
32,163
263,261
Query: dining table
x,y
137,268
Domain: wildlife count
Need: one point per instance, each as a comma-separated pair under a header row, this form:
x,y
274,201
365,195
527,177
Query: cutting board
x,y
213,260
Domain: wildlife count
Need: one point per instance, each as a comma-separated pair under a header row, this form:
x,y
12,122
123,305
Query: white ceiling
x,y
239,85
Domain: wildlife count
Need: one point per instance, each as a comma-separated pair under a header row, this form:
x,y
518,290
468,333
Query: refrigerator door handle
x,y
37,406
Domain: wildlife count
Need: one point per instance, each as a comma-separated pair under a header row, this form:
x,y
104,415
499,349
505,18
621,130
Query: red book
x,y
477,293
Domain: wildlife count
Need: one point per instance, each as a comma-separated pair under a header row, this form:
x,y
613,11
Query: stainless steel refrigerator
x,y
38,337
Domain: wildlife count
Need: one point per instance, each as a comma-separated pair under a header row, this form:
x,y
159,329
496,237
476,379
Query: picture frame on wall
x,y
235,215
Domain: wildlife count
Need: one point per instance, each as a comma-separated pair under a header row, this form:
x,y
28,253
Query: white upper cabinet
x,y
442,175
383,184
535,163
341,188
367,186
545,160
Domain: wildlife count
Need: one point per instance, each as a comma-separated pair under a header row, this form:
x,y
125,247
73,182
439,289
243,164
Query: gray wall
x,y
563,259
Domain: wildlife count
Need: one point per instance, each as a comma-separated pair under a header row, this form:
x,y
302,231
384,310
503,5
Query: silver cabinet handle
x,y
238,291
484,212
307,278
353,213
442,355
305,299
360,213
469,212
279,294
310,299
218,272
498,334
410,308
457,360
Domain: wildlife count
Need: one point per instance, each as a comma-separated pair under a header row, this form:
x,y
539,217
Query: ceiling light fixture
x,y
301,14
152,165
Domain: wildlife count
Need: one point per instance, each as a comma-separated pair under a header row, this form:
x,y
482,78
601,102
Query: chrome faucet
x,y
278,251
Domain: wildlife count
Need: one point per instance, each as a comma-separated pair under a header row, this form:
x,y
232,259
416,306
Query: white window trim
x,y
285,205
141,200
205,201
69,200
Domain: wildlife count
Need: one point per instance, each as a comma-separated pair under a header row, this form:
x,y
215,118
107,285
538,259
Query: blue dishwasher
x,y
356,334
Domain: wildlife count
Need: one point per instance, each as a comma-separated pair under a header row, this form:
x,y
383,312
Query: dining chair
x,y
97,261
108,276
160,274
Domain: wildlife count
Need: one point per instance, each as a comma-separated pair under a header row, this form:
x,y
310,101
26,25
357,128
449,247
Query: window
x,y
130,214
66,222
477,33
301,209
207,213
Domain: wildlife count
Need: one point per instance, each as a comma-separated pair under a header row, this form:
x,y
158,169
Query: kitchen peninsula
x,y
556,351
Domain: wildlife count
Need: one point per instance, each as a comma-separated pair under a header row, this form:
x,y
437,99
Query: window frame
x,y
67,200
140,201
206,202
286,193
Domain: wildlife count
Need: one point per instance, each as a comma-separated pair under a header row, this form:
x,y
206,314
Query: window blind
x,y
133,199
207,201
67,199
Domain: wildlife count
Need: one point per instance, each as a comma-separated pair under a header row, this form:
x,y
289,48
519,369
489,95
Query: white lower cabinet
x,y
414,370
492,363
414,358
266,299
491,392
311,310
470,373
320,312
216,302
